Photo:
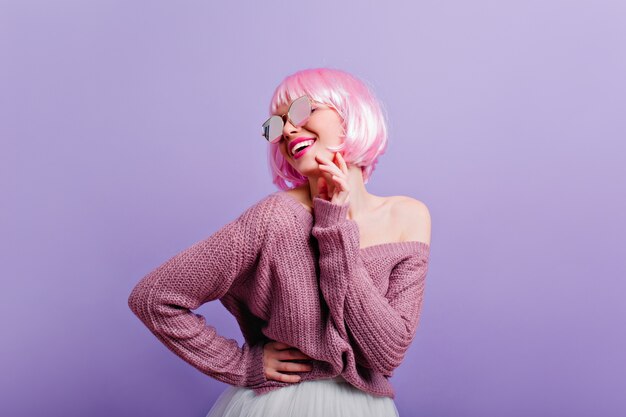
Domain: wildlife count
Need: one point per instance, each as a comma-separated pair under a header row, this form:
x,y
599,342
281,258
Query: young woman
x,y
325,279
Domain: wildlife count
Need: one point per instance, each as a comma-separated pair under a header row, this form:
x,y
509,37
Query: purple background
x,y
130,130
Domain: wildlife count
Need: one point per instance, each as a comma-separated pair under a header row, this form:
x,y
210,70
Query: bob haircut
x,y
364,124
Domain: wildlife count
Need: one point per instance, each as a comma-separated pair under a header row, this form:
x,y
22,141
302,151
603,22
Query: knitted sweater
x,y
293,276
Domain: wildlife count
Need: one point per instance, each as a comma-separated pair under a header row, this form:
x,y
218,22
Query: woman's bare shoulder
x,y
414,215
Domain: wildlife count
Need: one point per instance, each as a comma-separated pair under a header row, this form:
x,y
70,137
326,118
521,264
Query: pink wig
x,y
364,125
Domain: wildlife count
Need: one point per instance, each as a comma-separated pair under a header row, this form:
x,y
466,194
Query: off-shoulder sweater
x,y
293,276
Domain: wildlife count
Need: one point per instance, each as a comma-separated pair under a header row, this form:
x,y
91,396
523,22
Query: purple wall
x,y
130,129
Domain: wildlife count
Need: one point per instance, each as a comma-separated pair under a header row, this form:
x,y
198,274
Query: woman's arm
x,y
204,272
382,327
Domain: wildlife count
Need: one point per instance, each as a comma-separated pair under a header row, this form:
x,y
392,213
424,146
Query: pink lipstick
x,y
302,151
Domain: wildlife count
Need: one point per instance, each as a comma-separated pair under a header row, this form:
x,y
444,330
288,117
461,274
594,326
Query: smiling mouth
x,y
305,144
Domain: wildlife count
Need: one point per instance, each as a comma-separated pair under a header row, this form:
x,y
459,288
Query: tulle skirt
x,y
332,397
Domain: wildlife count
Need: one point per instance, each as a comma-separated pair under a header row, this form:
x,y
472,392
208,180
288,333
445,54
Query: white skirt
x,y
314,398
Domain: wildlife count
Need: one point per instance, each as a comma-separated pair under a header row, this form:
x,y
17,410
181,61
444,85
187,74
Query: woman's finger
x,y
341,182
293,367
342,163
330,169
277,376
328,184
323,160
327,162
331,173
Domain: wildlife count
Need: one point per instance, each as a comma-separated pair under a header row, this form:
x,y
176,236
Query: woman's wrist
x,y
327,213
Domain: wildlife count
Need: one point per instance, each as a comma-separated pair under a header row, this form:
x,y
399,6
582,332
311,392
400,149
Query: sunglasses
x,y
298,114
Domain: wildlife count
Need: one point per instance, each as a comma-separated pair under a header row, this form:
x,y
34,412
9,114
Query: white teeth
x,y
301,145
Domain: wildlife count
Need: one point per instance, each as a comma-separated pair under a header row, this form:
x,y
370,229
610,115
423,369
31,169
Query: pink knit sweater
x,y
296,277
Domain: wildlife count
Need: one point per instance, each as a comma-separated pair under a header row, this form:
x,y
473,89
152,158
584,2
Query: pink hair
x,y
364,124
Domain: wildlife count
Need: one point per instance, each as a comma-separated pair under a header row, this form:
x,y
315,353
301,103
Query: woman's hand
x,y
332,185
275,360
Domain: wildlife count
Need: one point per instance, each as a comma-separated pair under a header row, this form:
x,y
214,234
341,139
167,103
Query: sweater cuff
x,y
256,371
327,213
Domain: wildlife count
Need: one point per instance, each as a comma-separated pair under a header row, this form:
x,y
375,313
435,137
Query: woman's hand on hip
x,y
276,365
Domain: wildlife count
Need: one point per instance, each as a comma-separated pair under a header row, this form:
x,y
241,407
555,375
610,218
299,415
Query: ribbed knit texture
x,y
293,276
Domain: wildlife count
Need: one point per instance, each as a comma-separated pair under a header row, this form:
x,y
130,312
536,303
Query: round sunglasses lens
x,y
300,110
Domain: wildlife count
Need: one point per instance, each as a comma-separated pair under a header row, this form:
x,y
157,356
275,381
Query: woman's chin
x,y
307,168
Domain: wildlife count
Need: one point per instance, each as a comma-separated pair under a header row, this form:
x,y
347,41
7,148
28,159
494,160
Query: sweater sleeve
x,y
204,272
382,327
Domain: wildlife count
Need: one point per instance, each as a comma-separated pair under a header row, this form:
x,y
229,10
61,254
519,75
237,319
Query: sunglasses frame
x,y
282,118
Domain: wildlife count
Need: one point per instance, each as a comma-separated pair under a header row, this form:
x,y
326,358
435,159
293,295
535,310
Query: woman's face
x,y
324,126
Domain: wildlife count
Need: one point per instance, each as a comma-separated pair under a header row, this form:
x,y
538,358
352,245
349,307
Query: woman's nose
x,y
288,128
